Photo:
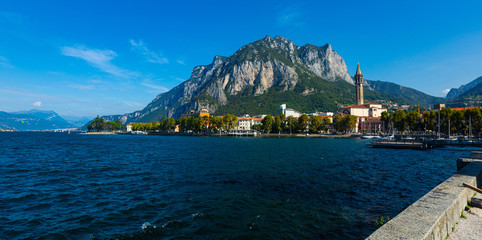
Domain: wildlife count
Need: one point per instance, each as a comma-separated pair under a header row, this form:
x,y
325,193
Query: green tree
x,y
98,124
457,123
267,123
413,121
399,120
302,122
230,121
315,124
291,123
325,124
348,123
445,115
386,120
429,119
338,124
277,124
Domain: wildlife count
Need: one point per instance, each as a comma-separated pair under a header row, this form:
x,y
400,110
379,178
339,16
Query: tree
x,y
325,124
302,122
337,123
457,124
267,123
315,124
399,120
429,119
168,124
413,121
98,124
445,115
230,121
348,122
277,124
386,119
291,123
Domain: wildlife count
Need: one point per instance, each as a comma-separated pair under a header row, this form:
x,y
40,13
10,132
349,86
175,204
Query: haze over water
x,y
60,186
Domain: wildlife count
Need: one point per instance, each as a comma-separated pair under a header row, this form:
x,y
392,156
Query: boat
x,y
370,137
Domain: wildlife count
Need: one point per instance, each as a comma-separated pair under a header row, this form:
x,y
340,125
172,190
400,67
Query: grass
x,y
382,221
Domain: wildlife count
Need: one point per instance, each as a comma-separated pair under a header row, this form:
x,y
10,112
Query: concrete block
x,y
476,202
476,154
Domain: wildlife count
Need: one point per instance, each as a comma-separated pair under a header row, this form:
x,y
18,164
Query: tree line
x,y
195,124
99,124
282,124
460,122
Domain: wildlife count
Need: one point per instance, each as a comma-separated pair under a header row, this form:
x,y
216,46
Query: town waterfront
x,y
72,186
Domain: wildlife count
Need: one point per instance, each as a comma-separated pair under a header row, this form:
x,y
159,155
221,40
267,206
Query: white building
x,y
288,111
246,123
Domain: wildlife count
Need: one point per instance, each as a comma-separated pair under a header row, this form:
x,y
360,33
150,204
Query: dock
x,y
400,144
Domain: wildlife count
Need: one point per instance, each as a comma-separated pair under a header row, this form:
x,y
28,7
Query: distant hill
x,y
261,76
473,94
460,93
410,95
33,120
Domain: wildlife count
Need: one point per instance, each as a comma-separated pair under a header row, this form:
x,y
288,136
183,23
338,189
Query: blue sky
x,y
111,57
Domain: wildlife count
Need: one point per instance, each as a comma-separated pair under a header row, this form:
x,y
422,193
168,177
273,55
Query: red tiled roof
x,y
372,103
355,106
463,108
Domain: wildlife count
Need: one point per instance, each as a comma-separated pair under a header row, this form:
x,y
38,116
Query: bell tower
x,y
359,86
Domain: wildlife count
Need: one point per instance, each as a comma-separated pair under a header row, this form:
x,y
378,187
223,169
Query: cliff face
x,y
267,65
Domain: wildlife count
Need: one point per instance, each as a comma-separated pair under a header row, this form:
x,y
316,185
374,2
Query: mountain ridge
x,y
33,120
259,77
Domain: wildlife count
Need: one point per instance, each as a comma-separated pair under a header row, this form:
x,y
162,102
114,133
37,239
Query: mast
x,y
449,127
438,123
470,127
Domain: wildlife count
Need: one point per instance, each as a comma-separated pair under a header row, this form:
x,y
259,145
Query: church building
x,y
369,114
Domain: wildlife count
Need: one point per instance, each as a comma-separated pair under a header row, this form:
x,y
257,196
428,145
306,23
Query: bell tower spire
x,y
359,86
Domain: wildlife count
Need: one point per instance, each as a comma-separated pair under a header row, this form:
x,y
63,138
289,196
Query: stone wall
x,y
434,215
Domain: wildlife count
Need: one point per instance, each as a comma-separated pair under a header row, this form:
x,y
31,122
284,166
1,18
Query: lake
x,y
72,186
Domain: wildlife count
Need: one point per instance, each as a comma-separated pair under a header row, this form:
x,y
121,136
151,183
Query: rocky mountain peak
x,y
269,65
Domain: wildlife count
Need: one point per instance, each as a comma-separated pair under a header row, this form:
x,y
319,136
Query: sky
x,y
88,58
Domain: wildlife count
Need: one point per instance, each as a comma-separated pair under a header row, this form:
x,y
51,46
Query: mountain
x,y
33,120
456,93
258,78
409,94
473,94
76,120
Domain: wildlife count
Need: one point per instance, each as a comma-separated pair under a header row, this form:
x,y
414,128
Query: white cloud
x,y
446,91
100,59
5,62
151,56
37,104
155,87
82,87
181,62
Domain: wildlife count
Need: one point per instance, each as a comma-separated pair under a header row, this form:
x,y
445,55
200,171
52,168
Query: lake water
x,y
60,186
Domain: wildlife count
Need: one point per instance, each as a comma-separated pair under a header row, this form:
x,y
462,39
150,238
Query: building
x,y
129,127
369,114
288,111
201,113
247,122
359,85
370,109
439,106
